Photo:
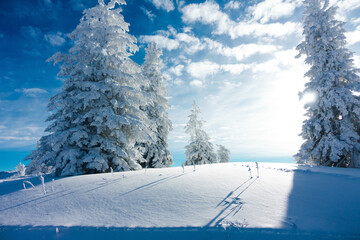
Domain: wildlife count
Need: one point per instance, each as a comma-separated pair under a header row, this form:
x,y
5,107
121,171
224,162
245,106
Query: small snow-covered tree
x,y
20,169
331,130
96,118
223,154
200,150
155,151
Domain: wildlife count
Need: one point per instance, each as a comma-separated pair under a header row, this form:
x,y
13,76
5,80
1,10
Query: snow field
x,y
285,197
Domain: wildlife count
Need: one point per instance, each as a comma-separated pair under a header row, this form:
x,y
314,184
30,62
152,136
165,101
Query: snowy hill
x,y
215,201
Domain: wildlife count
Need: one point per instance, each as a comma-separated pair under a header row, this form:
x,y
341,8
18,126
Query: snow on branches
x,y
331,130
96,119
200,150
155,151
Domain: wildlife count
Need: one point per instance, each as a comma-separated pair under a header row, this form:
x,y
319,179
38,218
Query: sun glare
x,y
308,98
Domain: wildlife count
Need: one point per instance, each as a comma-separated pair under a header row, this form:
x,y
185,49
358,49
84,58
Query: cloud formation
x,y
273,9
177,70
209,13
167,5
202,69
232,5
353,37
148,13
191,45
161,41
55,39
30,31
31,92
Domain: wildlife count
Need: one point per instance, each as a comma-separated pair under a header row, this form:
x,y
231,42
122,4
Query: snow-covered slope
x,y
285,197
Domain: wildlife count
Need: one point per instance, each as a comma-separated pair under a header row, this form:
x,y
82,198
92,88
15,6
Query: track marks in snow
x,y
231,204
152,184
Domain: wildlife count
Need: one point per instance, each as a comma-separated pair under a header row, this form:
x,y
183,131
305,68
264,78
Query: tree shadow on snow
x,y
324,201
231,206
66,192
152,184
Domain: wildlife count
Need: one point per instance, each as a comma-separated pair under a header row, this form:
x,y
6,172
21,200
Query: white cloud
x,y
277,30
187,29
55,39
161,41
202,69
31,92
167,5
345,6
30,31
232,5
235,68
356,59
193,44
355,21
167,76
178,82
273,9
148,13
177,70
241,51
353,37
186,41
26,138
280,60
196,83
268,66
209,13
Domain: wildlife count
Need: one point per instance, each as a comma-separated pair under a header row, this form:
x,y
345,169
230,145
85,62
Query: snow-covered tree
x,y
96,118
20,169
223,154
200,150
156,152
331,130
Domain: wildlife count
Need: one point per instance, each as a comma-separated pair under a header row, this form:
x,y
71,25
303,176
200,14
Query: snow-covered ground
x,y
215,201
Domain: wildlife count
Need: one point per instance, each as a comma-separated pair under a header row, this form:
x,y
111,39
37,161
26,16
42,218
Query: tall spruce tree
x,y
331,130
200,150
155,151
96,118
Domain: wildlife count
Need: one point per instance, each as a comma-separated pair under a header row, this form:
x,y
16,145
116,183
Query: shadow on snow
x,y
314,203
235,204
60,194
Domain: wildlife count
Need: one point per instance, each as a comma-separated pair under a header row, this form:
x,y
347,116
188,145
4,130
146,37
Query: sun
x,y
309,97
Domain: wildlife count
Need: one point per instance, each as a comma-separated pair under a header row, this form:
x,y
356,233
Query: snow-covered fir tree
x,y
156,152
96,118
223,154
21,169
200,150
331,130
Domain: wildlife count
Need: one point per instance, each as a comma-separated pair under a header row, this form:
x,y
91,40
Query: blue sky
x,y
235,58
